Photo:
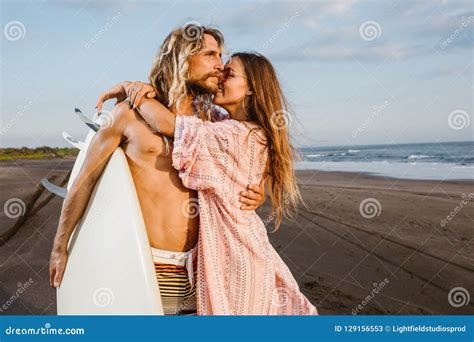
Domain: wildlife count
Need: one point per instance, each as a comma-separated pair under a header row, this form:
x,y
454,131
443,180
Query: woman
x,y
239,272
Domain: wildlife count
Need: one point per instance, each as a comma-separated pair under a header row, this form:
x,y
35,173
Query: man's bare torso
x,y
168,207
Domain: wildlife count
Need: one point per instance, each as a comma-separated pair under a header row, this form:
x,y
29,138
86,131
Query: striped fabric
x,y
177,294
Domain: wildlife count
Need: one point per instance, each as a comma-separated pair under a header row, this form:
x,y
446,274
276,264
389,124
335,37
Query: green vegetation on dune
x,y
37,153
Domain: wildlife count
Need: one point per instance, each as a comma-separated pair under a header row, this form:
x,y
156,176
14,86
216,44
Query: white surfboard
x,y
110,269
73,141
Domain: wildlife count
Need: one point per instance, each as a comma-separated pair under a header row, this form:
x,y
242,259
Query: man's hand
x,y
253,197
57,265
136,90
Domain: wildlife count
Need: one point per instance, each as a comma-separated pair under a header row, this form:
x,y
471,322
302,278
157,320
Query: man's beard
x,y
199,87
202,94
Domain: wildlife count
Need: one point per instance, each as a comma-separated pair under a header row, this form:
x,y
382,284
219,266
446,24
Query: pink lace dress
x,y
239,271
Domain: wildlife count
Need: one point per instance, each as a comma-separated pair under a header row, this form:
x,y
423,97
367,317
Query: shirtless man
x,y
160,191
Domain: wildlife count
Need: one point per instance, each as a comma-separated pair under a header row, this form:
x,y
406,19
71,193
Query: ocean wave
x,y
419,156
317,155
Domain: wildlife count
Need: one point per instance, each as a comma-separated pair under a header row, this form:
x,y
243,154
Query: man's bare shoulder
x,y
127,121
123,113
117,119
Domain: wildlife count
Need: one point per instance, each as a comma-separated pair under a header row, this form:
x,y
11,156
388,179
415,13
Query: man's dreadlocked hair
x,y
170,69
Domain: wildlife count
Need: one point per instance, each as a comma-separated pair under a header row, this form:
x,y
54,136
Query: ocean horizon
x,y
433,161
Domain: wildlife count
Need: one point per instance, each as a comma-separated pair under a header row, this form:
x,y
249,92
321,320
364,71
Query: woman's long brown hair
x,y
268,108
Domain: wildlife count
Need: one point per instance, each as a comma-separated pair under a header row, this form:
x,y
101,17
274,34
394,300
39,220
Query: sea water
x,y
439,161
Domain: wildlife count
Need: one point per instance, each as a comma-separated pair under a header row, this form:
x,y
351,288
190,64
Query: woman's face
x,y
233,86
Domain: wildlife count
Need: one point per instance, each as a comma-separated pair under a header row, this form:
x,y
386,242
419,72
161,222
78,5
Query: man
x,y
185,75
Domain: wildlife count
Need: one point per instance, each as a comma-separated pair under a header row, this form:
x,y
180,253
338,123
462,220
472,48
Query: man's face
x,y
206,67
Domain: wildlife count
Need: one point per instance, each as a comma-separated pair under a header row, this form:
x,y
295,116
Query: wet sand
x,y
390,255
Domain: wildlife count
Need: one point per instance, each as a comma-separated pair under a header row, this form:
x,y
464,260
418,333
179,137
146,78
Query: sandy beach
x,y
362,245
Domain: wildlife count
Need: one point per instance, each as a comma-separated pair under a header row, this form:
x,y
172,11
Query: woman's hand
x,y
117,92
136,90
57,265
253,197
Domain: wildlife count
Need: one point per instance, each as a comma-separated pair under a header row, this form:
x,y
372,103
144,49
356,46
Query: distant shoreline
x,y
43,152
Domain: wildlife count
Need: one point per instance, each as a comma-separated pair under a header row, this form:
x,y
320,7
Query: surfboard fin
x,y
91,124
73,141
57,190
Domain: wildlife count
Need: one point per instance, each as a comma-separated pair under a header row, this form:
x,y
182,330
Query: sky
x,y
355,72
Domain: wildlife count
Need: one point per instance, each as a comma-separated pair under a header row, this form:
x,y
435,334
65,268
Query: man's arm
x,y
102,145
160,118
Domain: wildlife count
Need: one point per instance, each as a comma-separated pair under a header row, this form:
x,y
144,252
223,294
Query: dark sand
x,y
337,255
